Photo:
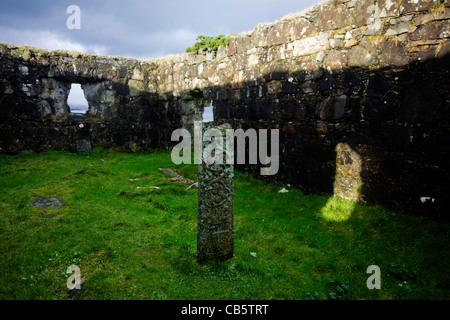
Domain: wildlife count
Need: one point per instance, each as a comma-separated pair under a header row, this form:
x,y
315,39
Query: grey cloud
x,y
140,28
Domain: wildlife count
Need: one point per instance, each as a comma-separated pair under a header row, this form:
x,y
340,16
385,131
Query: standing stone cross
x,y
215,227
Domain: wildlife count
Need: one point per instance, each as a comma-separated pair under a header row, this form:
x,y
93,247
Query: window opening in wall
x,y
208,113
76,100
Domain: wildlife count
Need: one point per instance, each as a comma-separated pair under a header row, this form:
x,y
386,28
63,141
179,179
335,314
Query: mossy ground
x,y
134,241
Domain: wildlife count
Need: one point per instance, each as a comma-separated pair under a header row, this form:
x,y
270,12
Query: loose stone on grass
x,y
47,203
176,177
52,202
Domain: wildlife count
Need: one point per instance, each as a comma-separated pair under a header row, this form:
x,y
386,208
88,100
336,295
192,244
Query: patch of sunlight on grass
x,y
337,209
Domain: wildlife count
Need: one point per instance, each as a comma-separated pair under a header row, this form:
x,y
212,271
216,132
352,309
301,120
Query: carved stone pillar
x,y
215,229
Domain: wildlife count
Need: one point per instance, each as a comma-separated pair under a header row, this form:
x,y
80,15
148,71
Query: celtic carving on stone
x,y
216,189
215,229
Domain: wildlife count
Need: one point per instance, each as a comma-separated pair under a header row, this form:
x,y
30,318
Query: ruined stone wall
x,y
124,111
359,90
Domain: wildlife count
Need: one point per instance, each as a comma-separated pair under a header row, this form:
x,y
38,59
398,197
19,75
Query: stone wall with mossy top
x,y
124,111
358,89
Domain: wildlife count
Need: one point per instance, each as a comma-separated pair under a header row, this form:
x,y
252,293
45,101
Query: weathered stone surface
x,y
137,75
83,145
302,28
54,95
407,6
334,16
310,45
134,147
422,103
320,56
47,204
348,183
378,103
374,29
215,231
399,28
432,30
332,108
321,127
274,87
328,83
362,56
388,8
433,15
335,43
232,46
221,53
363,12
98,97
278,34
443,53
393,55
243,43
259,35
52,202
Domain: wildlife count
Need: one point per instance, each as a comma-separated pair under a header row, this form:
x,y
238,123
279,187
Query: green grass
x,y
140,243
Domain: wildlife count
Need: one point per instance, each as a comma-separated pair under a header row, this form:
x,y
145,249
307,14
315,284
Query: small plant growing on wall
x,y
205,43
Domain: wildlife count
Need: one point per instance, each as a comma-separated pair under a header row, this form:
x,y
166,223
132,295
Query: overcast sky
x,y
135,28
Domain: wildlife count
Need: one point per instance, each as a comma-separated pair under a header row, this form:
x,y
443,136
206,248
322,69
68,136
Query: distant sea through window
x,y
76,100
